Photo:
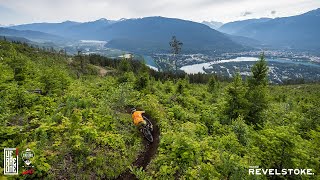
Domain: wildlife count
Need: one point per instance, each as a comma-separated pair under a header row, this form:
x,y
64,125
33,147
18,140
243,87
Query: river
x,y
196,68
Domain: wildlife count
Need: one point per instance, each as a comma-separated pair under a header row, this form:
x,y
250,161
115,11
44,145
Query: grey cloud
x,y
247,13
273,12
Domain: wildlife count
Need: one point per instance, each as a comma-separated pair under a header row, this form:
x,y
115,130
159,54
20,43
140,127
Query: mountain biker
x,y
137,118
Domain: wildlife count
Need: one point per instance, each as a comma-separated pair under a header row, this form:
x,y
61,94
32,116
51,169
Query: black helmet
x,y
133,110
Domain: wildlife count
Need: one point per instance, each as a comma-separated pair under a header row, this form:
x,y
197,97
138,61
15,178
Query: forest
x,y
74,117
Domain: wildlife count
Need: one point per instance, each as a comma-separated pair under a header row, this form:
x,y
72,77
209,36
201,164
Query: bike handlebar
x,y
147,119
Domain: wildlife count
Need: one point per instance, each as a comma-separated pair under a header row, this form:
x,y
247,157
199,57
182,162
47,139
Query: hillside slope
x,y
31,35
78,127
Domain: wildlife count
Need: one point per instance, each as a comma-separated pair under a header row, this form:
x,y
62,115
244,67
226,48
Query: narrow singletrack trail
x,y
144,157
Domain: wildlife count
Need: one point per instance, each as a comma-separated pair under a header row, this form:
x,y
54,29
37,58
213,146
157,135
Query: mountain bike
x,y
147,129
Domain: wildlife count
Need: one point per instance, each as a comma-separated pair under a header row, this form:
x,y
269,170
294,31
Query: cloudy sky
x,y
27,11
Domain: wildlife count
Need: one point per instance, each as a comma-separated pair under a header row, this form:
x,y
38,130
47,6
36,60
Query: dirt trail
x,y
103,71
145,157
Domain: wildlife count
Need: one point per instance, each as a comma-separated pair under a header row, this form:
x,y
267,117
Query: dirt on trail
x,y
102,71
144,157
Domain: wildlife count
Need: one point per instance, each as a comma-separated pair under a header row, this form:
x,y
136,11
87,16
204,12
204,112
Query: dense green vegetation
x,y
75,120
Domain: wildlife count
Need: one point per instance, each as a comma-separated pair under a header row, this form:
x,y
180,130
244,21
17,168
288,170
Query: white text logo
x,y
255,170
10,161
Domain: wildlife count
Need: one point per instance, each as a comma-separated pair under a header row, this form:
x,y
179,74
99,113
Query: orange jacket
x,y
137,117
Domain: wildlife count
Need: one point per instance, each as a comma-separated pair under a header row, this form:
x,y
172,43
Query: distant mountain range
x,y
296,32
143,34
152,34
213,24
51,28
234,27
69,29
30,35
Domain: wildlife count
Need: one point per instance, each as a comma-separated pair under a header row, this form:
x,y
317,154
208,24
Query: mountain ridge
x,y
30,35
159,30
153,33
143,34
294,32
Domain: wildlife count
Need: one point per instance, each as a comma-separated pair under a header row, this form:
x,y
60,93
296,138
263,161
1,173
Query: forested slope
x,y
77,124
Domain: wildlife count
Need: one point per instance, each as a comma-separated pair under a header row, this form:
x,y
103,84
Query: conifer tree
x,y
212,84
258,91
176,48
259,73
236,102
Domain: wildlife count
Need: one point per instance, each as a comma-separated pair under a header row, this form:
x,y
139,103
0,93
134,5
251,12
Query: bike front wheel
x,y
147,134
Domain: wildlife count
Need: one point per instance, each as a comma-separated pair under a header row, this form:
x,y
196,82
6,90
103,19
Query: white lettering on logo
x,y
10,161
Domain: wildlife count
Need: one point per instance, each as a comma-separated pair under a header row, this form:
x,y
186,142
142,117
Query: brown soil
x,y
103,71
